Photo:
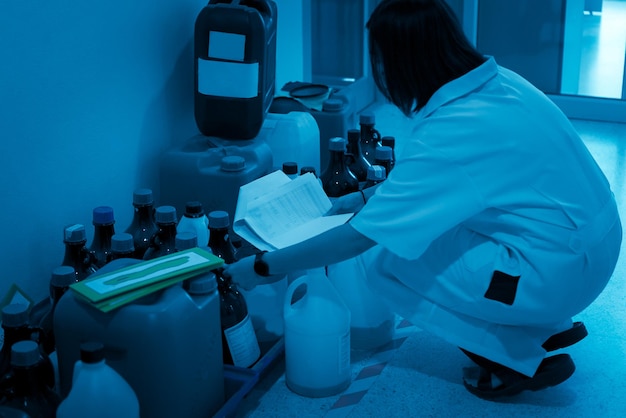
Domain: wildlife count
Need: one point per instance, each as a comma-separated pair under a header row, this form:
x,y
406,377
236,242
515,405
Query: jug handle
x,y
300,281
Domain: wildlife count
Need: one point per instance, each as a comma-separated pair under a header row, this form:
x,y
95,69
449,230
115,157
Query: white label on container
x,y
344,352
228,79
242,342
227,46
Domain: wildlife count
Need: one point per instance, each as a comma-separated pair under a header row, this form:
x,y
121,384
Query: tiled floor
x,y
419,375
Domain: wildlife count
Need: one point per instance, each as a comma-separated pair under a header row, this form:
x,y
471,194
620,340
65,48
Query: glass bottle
x,y
219,238
143,226
390,141
164,241
337,179
358,164
240,346
186,240
76,253
384,158
290,168
308,169
122,246
16,327
375,174
61,279
104,228
370,137
194,220
28,389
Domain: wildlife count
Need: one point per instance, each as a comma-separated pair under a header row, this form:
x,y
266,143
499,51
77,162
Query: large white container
x,y
294,136
317,338
98,391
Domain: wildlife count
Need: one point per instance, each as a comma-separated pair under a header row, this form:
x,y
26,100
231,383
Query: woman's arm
x,y
330,247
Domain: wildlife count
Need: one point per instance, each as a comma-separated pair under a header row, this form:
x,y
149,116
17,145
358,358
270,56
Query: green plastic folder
x,y
120,287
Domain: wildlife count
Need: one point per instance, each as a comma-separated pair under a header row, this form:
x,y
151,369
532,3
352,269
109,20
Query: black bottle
x,y
308,169
370,137
28,389
384,158
290,168
104,229
240,346
164,241
219,238
357,163
337,179
122,246
375,174
17,328
60,281
142,227
390,141
76,253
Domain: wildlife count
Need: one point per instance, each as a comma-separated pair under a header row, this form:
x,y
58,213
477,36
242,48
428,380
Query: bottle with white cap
x,y
76,253
384,157
98,391
337,179
375,174
122,246
143,226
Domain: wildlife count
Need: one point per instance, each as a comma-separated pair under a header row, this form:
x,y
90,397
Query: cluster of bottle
x,y
362,160
28,376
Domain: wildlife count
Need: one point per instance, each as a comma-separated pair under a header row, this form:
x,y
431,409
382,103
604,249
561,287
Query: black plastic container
x,y
235,67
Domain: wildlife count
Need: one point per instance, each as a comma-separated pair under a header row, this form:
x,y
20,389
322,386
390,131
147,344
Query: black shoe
x,y
563,339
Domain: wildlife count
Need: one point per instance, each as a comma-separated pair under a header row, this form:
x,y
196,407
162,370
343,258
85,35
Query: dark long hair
x,y
417,46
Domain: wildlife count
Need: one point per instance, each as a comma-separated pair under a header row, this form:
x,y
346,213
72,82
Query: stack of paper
x,y
115,289
274,211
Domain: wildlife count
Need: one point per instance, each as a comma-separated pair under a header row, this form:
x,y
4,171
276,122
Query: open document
x,y
274,211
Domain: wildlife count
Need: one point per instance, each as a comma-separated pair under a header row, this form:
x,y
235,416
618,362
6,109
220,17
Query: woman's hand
x,y
242,273
349,203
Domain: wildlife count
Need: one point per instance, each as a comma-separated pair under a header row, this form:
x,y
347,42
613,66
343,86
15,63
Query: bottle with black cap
x,y
164,241
29,391
290,168
143,226
194,220
98,391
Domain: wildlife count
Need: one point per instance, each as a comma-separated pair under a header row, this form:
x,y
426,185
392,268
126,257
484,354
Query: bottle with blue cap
x,y
104,228
28,390
143,226
164,241
77,255
384,157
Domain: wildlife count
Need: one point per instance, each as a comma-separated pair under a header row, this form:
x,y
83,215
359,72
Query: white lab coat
x,y
493,177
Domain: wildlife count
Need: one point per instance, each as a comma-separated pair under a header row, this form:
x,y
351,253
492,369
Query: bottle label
x,y
228,79
242,343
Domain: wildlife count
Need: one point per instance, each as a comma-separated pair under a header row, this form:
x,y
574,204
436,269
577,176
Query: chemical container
x,y
235,70
293,136
211,170
166,345
317,338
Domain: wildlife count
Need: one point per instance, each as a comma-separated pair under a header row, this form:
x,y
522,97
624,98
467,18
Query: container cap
x,y
186,240
290,167
103,215
194,209
74,233
219,219
15,315
376,172
202,285
91,352
388,141
354,134
143,197
308,169
383,153
233,163
332,105
25,353
122,242
367,118
165,215
337,144
63,276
